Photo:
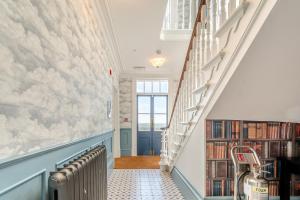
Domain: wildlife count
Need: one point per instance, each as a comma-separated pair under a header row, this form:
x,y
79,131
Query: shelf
x,y
266,140
216,59
235,16
218,159
221,140
220,178
201,89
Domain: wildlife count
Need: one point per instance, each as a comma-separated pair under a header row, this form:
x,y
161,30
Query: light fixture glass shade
x,y
157,61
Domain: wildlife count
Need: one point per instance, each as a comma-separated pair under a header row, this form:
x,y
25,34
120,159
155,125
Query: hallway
x,y
142,184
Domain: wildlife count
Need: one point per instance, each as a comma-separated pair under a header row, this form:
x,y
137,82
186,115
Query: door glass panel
x,y
148,86
164,86
140,86
144,122
160,104
144,104
160,121
156,86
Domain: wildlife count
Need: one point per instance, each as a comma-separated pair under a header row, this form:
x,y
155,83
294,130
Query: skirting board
x,y
186,189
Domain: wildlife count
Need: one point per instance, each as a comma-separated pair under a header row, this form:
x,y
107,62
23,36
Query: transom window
x,y
152,86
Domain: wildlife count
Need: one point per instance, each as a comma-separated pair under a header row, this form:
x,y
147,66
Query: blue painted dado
x,y
125,141
25,178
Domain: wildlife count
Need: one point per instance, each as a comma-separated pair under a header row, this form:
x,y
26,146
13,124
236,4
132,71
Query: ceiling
x,y
266,84
137,25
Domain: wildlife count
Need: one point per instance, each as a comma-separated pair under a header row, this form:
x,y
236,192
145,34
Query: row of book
x,y
267,130
225,187
216,150
271,149
264,149
222,187
225,169
219,169
222,129
273,188
296,188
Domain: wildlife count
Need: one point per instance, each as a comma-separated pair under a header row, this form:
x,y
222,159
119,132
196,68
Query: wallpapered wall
x,y
125,102
54,84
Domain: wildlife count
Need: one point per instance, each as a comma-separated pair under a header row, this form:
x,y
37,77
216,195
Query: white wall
x,y
54,80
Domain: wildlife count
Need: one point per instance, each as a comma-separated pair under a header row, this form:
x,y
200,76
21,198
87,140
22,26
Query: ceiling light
x,y
158,60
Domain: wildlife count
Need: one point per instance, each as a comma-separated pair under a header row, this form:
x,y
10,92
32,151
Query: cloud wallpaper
x,y
125,102
54,84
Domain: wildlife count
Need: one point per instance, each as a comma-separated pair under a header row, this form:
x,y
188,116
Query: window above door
x,y
152,86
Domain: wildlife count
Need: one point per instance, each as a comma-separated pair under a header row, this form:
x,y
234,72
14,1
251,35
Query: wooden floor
x,y
137,162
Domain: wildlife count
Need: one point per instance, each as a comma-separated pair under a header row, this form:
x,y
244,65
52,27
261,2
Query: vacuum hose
x,y
241,177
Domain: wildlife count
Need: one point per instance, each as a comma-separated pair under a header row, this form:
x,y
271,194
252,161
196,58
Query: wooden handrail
x,y
198,19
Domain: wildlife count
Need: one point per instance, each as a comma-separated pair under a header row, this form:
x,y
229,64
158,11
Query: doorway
x,y
152,114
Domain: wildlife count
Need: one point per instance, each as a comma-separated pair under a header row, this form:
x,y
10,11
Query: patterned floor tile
x,y
142,184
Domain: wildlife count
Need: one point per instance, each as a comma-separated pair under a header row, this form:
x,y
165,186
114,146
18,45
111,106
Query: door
x,y
152,112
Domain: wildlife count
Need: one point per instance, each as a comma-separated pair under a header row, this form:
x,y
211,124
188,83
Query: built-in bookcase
x,y
269,139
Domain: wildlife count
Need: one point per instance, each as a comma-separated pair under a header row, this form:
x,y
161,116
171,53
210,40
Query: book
x,y
208,129
218,129
245,130
252,130
273,188
221,169
274,149
264,127
297,130
217,191
259,130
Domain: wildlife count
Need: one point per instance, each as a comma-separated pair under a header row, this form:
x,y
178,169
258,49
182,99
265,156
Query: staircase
x,y
222,33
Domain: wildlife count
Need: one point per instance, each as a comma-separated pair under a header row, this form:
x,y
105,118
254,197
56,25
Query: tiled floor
x,y
142,184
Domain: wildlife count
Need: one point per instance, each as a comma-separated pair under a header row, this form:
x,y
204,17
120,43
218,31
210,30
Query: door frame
x,y
152,131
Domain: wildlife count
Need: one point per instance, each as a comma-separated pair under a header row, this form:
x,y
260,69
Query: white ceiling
x,y
266,85
137,25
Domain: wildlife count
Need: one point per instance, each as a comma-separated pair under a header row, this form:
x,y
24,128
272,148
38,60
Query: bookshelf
x,y
269,139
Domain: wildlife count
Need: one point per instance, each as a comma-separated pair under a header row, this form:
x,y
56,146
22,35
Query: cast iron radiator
x,y
84,178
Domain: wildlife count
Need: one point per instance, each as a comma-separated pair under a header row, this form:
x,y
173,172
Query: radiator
x,y
84,178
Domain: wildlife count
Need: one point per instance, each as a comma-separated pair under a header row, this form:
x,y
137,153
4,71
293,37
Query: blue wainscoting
x,y
125,141
26,177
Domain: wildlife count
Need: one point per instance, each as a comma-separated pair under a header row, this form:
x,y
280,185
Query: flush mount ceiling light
x,y
158,60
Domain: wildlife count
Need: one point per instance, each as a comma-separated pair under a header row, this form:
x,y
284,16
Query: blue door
x,y
152,112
